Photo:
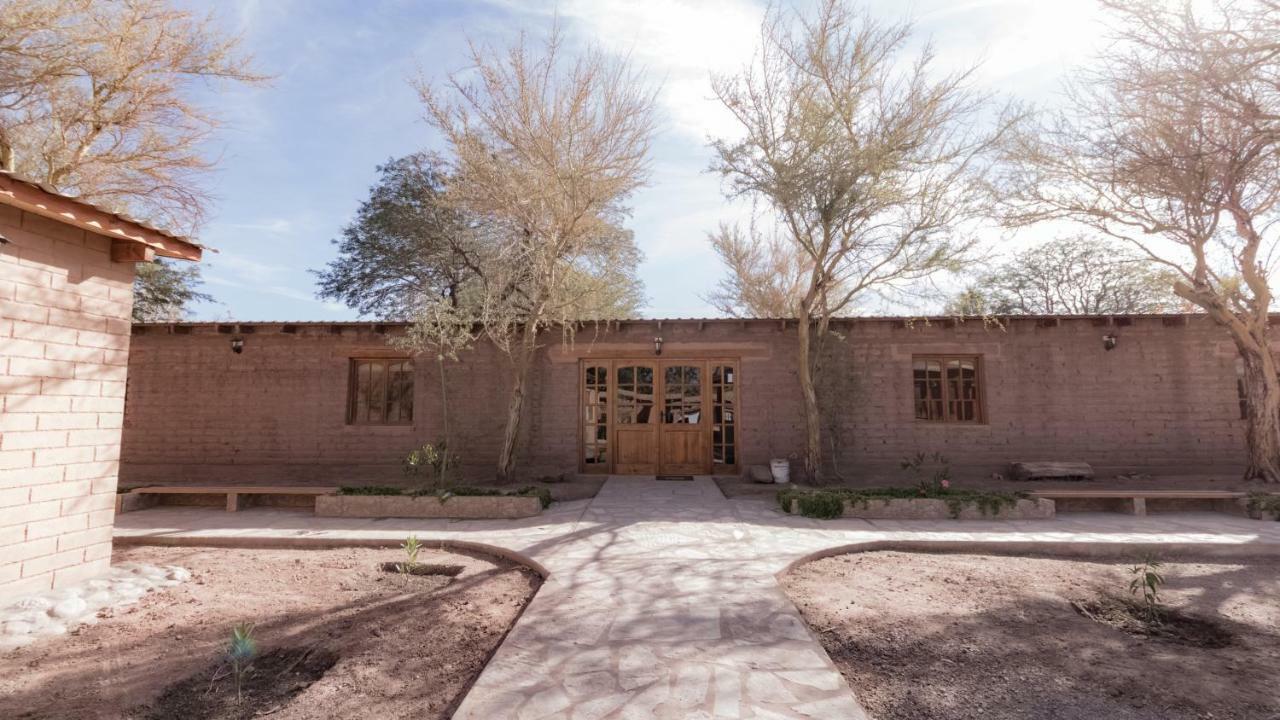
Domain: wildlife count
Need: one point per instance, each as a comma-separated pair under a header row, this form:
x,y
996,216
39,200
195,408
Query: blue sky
x,y
298,155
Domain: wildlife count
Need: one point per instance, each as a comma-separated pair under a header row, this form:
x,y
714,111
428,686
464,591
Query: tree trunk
x,y
8,160
444,415
812,418
1262,412
515,407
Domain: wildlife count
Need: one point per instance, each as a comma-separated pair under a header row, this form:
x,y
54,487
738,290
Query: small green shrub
x,y
370,490
822,505
1261,503
411,547
435,461
240,653
1148,581
785,496
936,465
543,494
829,503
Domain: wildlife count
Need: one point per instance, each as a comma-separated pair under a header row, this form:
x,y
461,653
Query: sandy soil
x,y
965,636
381,645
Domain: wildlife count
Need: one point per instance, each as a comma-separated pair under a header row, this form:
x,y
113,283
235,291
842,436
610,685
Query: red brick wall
x,y
1163,400
64,342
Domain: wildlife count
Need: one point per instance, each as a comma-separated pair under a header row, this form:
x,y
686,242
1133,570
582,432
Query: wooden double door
x,y
659,417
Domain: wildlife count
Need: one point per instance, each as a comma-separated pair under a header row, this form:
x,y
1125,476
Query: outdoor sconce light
x,y
4,240
657,345
1108,342
237,345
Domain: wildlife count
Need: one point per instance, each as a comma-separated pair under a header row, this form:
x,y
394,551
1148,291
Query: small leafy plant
x,y
411,547
241,652
433,460
1261,504
938,468
1148,581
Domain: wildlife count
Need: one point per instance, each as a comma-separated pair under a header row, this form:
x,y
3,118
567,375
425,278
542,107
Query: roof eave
x,y
33,199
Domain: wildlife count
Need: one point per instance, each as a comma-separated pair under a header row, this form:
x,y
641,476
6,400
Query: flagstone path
x,y
661,599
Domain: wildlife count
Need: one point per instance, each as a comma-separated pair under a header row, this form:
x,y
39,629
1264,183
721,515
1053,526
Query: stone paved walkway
x,y
661,600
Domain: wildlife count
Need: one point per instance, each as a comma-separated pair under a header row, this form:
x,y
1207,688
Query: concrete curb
x,y
1051,549
321,543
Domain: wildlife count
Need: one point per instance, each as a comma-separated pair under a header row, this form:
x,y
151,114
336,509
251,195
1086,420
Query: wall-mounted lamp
x,y
237,345
657,345
4,240
1108,342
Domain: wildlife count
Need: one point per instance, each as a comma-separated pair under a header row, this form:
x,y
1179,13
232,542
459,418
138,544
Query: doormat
x,y
682,478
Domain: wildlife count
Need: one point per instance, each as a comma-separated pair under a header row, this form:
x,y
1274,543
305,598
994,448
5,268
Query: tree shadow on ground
x,y
908,652
405,647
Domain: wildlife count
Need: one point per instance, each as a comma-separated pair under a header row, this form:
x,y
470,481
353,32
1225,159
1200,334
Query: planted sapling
x,y
411,547
241,652
1148,580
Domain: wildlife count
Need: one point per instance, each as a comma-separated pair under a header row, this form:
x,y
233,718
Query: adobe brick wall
x,y
1162,401
64,341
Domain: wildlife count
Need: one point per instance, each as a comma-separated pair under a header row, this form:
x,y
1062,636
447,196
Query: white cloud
x,y
683,42
276,226
679,43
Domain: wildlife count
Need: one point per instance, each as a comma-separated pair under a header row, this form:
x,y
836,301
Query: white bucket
x,y
781,470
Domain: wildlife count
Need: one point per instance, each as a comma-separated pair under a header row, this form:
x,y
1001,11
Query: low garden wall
x,y
903,504
930,509
461,507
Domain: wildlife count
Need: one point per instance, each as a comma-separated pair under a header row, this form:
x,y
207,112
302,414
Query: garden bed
x,y
461,503
337,635
908,504
994,637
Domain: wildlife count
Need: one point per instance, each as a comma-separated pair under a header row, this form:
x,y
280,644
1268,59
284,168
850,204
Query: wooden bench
x,y
1138,497
233,492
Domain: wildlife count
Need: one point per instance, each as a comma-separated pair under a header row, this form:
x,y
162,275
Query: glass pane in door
x,y
682,395
724,420
635,395
595,425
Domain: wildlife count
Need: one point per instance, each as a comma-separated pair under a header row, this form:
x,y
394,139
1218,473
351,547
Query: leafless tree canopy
x,y
95,100
765,276
870,164
544,152
1071,276
1171,142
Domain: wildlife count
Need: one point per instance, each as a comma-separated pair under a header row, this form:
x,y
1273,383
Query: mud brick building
x,y
66,294
330,403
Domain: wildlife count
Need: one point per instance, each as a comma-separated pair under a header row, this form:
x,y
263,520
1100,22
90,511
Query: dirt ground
x,y
975,636
336,635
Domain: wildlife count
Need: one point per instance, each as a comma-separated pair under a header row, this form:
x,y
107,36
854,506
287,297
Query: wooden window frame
x,y
353,368
607,386
725,445
980,399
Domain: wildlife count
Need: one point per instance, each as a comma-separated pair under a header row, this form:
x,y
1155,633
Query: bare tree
x,y
1172,143
870,164
1071,276
765,276
95,101
544,151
